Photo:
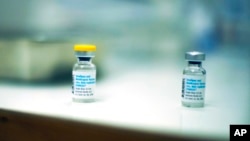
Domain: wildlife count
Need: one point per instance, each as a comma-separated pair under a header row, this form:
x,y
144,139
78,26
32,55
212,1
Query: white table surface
x,y
148,99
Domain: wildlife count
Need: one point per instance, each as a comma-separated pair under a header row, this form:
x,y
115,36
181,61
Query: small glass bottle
x,y
194,80
84,74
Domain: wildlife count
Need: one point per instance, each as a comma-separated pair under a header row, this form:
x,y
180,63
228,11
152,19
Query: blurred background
x,y
36,37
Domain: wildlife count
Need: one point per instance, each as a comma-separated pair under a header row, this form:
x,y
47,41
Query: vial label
x,y
84,83
193,88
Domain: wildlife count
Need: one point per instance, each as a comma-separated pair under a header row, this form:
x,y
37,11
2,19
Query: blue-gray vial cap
x,y
195,56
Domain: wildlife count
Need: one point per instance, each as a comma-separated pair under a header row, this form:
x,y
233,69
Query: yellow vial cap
x,y
84,47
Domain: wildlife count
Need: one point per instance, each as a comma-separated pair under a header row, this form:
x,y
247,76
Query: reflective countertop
x,y
149,99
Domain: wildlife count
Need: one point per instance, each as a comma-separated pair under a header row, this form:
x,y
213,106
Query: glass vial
x,y
194,80
84,74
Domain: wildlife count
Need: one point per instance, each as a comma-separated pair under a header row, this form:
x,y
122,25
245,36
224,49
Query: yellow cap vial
x,y
84,74
84,47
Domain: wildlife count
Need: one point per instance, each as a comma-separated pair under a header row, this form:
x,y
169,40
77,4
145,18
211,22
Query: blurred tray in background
x,y
35,60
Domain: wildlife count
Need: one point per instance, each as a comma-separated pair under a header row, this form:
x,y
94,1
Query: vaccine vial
x,y
194,80
84,74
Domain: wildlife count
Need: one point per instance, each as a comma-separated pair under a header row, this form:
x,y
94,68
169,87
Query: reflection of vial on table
x,y
84,74
194,80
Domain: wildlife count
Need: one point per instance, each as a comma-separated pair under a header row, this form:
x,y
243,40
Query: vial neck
x,y
84,59
194,64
